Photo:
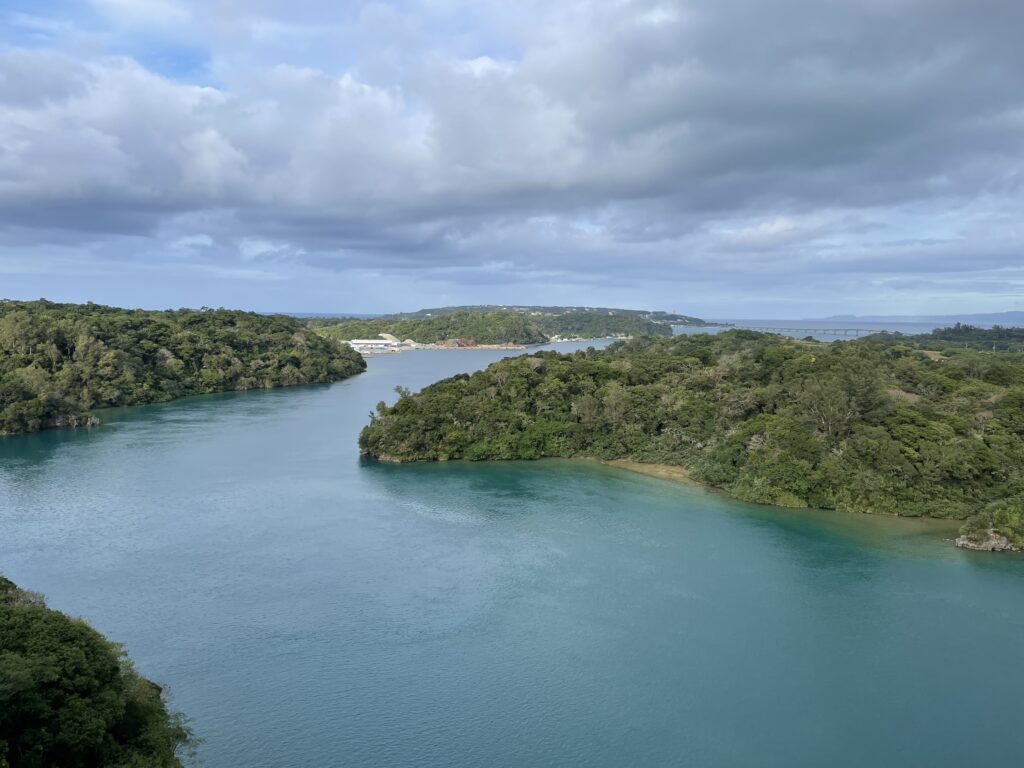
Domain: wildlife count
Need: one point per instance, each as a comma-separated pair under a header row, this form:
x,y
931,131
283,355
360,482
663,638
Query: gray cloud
x,y
594,144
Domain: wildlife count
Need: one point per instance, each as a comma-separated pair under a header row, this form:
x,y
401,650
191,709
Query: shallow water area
x,y
308,608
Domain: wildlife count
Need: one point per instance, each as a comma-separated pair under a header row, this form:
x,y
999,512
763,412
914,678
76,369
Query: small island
x,y
491,325
915,426
60,362
70,697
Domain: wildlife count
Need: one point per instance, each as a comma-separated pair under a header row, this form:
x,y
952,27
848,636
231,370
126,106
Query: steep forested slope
x,y
60,361
69,698
877,426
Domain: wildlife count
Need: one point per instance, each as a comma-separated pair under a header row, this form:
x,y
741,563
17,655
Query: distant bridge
x,y
811,331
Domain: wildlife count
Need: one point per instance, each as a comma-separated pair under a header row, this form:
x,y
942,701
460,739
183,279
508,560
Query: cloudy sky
x,y
719,157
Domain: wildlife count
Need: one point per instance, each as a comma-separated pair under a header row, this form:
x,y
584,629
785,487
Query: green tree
x,y
883,425
59,361
69,698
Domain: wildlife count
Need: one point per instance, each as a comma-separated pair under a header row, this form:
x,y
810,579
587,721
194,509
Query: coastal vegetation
x,y
995,339
657,316
597,325
481,327
490,325
58,362
877,425
70,698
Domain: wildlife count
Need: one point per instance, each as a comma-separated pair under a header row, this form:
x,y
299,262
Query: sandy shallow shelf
x,y
664,471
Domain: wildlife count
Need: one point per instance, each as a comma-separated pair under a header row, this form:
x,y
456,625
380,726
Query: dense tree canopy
x,y
875,425
60,361
69,698
995,339
664,318
493,327
481,327
597,325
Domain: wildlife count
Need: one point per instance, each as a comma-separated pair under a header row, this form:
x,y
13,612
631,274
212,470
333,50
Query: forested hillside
x,y
995,339
492,327
597,325
69,698
481,327
58,362
874,425
666,318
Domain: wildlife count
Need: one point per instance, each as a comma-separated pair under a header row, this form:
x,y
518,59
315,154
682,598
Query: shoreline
x,y
512,347
93,420
680,475
508,345
947,528
671,472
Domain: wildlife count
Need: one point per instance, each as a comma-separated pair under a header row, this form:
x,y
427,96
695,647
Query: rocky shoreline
x,y
993,542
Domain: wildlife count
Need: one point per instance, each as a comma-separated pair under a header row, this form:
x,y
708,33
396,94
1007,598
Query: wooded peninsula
x,y
917,426
59,362
70,698
505,324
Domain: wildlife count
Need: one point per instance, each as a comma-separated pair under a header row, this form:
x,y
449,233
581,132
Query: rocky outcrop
x,y
993,542
72,420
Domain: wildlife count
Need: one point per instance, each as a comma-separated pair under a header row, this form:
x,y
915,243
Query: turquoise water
x,y
307,609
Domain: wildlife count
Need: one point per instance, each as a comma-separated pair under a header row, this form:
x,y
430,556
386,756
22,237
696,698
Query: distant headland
x,y
930,425
496,326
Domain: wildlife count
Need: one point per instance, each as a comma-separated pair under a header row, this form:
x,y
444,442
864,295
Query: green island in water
x,y
505,324
71,698
924,426
59,362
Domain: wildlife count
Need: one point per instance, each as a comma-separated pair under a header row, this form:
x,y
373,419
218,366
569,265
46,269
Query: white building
x,y
375,345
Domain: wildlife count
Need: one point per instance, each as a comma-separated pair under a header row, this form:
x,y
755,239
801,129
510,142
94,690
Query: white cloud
x,y
265,30
670,139
769,233
659,15
482,66
190,242
238,273
149,13
253,249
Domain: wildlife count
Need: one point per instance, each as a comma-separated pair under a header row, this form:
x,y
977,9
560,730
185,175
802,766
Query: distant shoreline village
x,y
389,345
494,327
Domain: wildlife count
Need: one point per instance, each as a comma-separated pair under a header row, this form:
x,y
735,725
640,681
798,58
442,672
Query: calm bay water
x,y
308,609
